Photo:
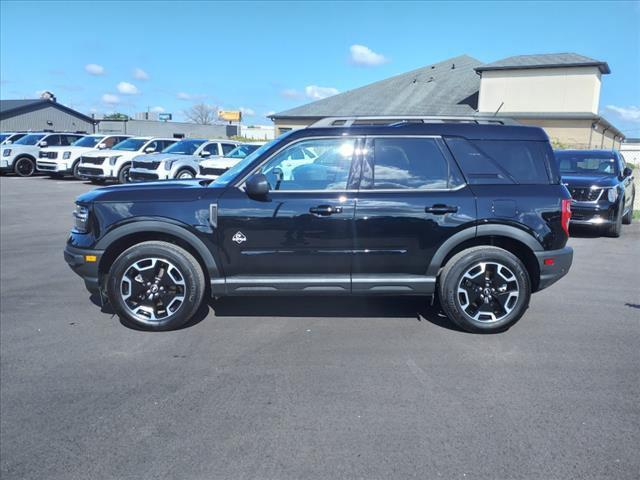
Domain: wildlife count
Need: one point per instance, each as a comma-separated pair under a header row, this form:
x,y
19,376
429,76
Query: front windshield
x,y
130,144
3,137
242,151
29,140
90,141
184,147
228,176
586,163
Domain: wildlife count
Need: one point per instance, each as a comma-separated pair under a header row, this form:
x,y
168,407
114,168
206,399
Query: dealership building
x,y
558,92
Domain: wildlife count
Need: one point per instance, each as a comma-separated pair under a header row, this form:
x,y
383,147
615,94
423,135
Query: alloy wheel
x,y
25,167
488,292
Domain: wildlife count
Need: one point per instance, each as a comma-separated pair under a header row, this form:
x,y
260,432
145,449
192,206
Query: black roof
x,y
13,107
466,130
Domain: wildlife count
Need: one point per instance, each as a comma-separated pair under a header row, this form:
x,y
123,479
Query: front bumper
x,y
560,263
590,213
6,164
52,166
85,262
144,174
211,172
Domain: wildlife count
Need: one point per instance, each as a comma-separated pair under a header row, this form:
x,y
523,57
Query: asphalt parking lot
x,y
310,388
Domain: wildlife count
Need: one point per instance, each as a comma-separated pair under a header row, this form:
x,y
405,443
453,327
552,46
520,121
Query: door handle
x,y
325,210
440,209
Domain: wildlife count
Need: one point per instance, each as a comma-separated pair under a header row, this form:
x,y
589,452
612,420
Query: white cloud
x,y
184,96
631,114
127,88
94,69
246,111
140,74
291,93
157,109
110,99
316,93
362,55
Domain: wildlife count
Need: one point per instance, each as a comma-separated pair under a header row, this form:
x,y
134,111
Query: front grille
x,y
585,194
212,171
93,160
50,155
143,176
95,172
145,165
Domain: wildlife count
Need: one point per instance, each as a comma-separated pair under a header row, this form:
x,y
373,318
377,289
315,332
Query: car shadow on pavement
x,y
415,308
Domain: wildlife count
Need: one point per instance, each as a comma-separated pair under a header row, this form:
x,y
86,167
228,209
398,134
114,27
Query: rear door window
x,y
227,147
502,161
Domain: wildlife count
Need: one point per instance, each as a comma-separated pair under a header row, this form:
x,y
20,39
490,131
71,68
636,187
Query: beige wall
x,y
574,89
291,124
574,133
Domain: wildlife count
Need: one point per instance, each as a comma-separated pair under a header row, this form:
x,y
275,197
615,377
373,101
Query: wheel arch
x,y
518,242
121,238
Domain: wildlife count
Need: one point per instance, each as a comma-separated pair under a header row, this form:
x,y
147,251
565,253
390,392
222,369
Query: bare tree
x,y
202,114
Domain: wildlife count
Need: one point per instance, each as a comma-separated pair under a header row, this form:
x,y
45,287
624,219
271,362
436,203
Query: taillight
x,y
566,214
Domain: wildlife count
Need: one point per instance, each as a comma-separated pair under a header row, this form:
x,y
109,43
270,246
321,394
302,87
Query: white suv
x,y
60,161
215,166
115,163
180,160
20,156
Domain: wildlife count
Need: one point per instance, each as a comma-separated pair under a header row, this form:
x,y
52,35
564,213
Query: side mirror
x,y
149,150
102,146
205,153
257,186
43,143
8,142
627,172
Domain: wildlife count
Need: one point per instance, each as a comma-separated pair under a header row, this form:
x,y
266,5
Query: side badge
x,y
239,238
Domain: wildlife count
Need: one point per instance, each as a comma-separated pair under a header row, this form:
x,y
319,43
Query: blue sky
x,y
269,56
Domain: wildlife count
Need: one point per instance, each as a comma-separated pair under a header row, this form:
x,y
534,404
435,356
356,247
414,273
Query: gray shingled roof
x,y
547,60
446,88
14,107
7,105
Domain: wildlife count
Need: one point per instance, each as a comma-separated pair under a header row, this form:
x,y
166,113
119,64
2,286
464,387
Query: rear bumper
x,y
550,274
76,258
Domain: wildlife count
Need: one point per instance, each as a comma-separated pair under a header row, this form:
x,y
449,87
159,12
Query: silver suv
x,y
180,160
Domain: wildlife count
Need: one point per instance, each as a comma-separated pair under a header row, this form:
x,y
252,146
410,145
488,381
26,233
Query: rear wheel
x,y
156,286
484,289
185,173
24,167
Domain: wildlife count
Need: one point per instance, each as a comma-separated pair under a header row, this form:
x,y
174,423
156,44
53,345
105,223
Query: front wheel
x,y
185,174
628,218
24,167
76,172
615,229
124,176
484,289
156,286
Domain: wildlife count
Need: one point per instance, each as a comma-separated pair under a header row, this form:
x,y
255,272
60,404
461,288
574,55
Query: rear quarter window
x,y
503,161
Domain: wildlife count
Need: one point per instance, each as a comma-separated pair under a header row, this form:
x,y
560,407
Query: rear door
x,y
412,198
300,237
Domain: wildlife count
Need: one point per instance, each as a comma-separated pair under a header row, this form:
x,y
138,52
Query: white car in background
x,y
215,166
115,163
180,160
20,156
60,161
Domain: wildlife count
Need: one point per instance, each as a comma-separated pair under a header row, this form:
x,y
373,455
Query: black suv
x,y
601,186
473,213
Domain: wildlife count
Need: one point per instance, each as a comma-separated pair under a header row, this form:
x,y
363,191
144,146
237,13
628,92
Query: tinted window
x,y
162,144
502,161
184,147
53,140
241,151
68,139
227,147
29,140
409,163
587,163
130,144
328,170
89,141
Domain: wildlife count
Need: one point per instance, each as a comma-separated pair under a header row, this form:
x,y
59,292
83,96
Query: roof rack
x,y
401,120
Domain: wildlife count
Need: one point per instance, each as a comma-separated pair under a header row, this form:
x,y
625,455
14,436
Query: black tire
x,y
173,258
76,174
615,229
24,167
123,175
628,218
517,282
97,181
185,173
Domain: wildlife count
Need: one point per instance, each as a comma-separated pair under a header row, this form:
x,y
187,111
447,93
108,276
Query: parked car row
x,y
124,158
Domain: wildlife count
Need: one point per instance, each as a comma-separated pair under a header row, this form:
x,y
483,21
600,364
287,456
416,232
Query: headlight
x,y
6,152
114,159
168,164
81,219
66,155
612,194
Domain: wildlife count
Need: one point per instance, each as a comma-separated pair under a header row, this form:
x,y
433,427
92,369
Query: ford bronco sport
x,y
472,213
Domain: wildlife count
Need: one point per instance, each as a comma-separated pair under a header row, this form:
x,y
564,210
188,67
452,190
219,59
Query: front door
x,y
412,199
300,236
